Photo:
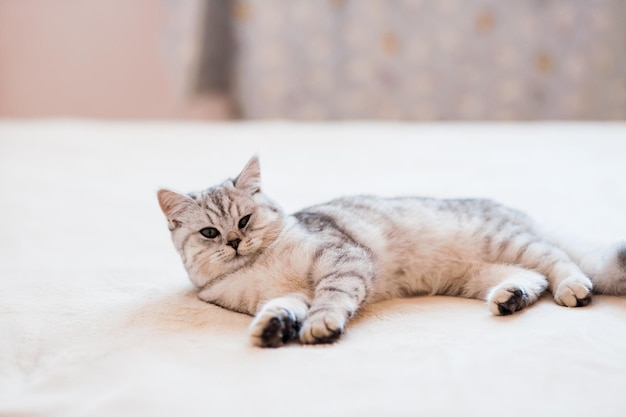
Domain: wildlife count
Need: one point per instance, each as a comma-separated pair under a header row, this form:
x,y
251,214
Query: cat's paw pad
x,y
574,292
505,301
322,328
274,328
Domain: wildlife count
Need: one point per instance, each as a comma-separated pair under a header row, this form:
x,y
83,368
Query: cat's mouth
x,y
238,255
239,259
241,252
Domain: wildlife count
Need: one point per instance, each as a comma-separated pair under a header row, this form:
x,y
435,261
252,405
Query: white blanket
x,y
97,317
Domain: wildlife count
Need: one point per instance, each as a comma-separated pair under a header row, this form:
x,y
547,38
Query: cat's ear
x,y
173,205
250,178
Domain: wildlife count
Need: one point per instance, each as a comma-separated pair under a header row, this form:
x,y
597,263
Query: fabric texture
x,y
97,316
431,60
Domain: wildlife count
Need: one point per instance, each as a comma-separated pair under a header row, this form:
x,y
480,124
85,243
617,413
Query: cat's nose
x,y
234,243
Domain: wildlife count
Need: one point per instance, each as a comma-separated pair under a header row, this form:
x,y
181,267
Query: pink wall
x,y
99,58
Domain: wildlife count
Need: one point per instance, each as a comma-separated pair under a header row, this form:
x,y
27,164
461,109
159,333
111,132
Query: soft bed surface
x,y
97,317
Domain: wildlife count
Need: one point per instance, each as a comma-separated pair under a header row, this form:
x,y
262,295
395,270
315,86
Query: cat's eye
x,y
244,221
210,232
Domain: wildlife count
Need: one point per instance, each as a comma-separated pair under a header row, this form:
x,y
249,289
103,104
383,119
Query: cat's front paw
x,y
323,327
505,301
574,292
274,328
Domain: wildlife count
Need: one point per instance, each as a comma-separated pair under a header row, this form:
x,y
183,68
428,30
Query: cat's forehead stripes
x,y
217,202
220,203
213,211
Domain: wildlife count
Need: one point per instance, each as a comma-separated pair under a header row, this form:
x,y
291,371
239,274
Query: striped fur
x,y
304,275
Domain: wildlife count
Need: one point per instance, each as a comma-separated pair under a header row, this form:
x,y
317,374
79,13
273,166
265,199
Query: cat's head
x,y
224,228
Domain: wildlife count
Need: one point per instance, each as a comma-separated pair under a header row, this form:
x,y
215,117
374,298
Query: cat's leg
x,y
569,285
337,298
607,269
279,320
506,288
343,282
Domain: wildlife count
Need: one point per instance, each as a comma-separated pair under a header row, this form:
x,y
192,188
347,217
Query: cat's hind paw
x,y
574,292
505,301
322,328
274,328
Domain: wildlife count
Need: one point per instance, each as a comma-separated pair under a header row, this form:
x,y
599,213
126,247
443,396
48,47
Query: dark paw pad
x,y
330,337
581,302
323,327
279,330
517,301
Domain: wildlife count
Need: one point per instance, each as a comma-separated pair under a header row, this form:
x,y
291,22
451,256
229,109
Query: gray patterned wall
x,y
431,59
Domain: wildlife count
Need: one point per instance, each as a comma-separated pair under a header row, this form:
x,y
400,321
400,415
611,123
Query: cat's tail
x,y
606,268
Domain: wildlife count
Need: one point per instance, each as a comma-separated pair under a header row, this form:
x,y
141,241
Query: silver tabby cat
x,y
303,276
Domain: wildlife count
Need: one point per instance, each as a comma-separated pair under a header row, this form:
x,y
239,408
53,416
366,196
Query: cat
x,y
303,276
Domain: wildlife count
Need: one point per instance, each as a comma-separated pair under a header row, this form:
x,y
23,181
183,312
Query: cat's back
x,y
380,223
380,212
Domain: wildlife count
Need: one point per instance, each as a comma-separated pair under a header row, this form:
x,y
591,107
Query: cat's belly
x,y
407,279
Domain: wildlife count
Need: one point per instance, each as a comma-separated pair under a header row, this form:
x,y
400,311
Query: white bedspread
x,y
97,317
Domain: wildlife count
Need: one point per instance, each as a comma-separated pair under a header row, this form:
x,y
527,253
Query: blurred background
x,y
414,60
